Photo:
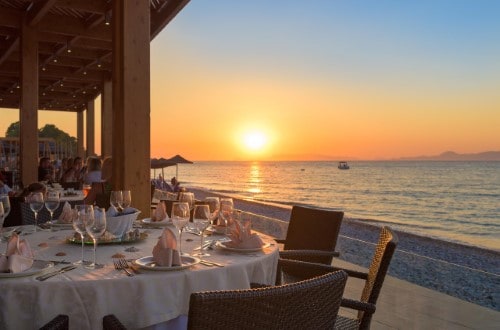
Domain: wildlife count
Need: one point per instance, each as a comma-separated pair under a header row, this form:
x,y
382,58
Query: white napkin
x,y
113,211
18,257
66,214
242,238
165,252
159,213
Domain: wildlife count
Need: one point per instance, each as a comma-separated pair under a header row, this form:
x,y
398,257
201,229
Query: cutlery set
x,y
54,273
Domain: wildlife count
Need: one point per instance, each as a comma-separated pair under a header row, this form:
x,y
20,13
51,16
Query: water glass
x,y
226,212
116,199
5,202
52,201
96,228
201,219
84,212
187,197
214,205
36,204
180,218
126,199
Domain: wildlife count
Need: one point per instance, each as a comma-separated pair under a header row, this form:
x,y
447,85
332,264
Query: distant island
x,y
451,155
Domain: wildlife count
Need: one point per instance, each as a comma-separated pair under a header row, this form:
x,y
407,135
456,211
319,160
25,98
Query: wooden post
x,y
90,128
131,101
28,114
79,134
107,119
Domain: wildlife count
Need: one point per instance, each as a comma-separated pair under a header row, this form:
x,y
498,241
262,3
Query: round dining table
x,y
148,298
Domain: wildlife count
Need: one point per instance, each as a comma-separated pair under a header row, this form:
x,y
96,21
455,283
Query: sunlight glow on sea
x,y
453,201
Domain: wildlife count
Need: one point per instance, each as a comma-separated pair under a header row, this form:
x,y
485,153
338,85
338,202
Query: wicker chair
x,y
111,322
312,235
60,322
290,271
309,304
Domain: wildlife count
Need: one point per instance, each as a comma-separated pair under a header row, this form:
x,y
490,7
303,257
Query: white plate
x,y
148,263
223,246
38,267
163,223
54,223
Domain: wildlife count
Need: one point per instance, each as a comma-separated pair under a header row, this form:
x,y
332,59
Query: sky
x,y
321,80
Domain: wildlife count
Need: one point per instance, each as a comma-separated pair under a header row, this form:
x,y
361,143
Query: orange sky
x,y
326,81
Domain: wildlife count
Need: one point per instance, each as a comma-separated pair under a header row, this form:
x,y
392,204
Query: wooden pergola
x,y
61,54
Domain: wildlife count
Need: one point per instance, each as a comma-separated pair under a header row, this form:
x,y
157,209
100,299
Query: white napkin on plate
x,y
160,213
18,257
66,214
165,252
242,238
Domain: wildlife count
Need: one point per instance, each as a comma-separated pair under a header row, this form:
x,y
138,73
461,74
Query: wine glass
x,y
187,197
36,204
180,218
83,212
126,199
5,202
52,201
214,205
201,219
116,199
95,227
226,212
2,216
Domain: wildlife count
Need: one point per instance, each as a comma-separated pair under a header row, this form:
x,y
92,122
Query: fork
x,y
119,266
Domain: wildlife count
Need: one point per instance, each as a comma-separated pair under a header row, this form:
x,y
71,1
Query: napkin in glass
x,y
160,213
242,237
18,257
165,252
67,214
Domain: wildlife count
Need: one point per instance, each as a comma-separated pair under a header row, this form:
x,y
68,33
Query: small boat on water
x,y
343,166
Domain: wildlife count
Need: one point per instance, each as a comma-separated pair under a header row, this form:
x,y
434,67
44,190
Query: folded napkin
x,y
66,214
159,213
18,257
242,238
165,252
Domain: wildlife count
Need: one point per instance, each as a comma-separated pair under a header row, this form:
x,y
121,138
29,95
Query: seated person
x,y
45,170
175,185
4,188
100,192
93,172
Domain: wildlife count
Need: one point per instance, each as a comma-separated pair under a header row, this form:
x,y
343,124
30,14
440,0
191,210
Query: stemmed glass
x,y
5,205
96,226
83,212
180,218
226,212
52,203
2,216
36,204
116,199
126,199
214,205
201,219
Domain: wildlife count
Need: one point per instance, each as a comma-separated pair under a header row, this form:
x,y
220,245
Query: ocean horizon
x,y
456,201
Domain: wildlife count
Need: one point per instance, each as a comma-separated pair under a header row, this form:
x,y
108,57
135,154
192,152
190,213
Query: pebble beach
x,y
466,272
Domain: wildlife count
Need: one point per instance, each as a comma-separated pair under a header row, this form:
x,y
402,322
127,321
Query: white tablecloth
x,y
143,300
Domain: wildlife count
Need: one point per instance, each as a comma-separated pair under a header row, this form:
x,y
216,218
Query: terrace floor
x,y
403,305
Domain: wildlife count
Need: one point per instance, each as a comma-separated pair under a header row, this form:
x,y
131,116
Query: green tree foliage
x,y
48,131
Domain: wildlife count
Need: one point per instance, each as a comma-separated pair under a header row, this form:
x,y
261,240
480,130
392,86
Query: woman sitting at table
x,y
93,172
100,191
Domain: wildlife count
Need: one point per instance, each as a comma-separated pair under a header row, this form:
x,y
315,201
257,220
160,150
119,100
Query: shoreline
x,y
467,272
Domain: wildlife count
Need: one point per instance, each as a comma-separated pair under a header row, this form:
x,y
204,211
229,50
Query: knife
x,y
57,272
55,262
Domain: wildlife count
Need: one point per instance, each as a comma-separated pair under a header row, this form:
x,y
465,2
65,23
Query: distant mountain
x,y
451,155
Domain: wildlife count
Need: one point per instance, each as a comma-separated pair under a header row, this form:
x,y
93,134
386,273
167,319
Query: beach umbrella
x,y
178,159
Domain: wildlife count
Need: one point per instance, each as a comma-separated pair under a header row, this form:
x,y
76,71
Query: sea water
x,y
453,201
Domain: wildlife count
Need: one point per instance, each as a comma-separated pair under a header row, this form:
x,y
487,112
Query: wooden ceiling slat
x,y
38,11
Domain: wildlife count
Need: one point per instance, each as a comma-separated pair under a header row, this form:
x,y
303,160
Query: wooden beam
x,y
38,11
131,100
160,18
79,135
92,6
107,119
90,128
71,27
28,114
14,44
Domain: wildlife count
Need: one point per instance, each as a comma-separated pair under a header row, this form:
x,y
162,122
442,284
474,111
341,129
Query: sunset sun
x,y
254,140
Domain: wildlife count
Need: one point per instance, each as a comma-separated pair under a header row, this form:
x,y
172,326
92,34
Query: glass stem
x,y
95,247
36,219
180,241
81,235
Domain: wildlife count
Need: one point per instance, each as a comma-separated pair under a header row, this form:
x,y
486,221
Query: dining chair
x,y
312,235
60,322
308,304
290,271
111,322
